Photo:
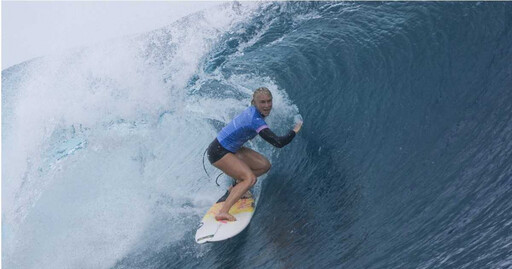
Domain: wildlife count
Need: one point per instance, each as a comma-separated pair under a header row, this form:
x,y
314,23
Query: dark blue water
x,y
405,157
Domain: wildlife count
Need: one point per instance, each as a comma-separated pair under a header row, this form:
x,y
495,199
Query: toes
x,y
227,217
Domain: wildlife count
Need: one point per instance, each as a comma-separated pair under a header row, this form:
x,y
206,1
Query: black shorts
x,y
216,151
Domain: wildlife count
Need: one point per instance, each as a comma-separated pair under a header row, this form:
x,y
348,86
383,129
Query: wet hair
x,y
258,91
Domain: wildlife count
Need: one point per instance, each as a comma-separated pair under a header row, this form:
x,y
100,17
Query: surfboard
x,y
212,230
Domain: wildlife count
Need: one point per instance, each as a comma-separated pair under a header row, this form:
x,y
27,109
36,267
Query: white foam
x,y
103,154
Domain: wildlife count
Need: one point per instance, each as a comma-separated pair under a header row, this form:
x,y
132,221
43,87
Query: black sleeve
x,y
277,141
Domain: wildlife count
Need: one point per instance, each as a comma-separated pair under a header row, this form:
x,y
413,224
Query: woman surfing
x,y
245,165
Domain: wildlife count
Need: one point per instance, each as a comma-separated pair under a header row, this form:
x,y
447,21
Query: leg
x,y
239,170
257,162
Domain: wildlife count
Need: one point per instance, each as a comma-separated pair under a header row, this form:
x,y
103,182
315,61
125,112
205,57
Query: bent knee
x,y
264,165
250,178
268,165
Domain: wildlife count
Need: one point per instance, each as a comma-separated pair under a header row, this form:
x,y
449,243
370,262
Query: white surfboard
x,y
212,230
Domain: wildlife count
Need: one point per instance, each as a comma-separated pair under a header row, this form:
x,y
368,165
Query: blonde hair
x,y
258,91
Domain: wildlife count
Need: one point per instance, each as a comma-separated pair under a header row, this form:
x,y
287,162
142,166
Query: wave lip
x,y
403,160
100,155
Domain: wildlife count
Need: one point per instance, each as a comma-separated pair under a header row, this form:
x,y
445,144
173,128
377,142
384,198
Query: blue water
x,y
404,160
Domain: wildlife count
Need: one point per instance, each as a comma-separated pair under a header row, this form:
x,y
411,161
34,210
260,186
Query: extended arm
x,y
277,141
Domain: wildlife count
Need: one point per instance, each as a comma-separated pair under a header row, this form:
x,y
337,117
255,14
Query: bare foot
x,y
225,216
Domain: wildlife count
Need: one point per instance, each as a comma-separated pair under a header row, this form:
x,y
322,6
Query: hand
x,y
297,127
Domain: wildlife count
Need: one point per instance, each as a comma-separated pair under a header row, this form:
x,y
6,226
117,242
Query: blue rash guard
x,y
241,129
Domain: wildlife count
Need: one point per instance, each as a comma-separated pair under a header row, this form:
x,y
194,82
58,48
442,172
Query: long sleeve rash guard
x,y
277,141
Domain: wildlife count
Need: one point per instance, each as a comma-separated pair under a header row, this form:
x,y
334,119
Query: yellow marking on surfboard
x,y
242,206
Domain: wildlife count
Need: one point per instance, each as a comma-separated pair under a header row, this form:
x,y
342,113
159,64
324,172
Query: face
x,y
263,102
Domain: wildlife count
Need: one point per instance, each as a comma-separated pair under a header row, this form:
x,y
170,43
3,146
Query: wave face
x,y
404,161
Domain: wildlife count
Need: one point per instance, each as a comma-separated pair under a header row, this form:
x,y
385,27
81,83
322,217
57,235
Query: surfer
x,y
245,165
